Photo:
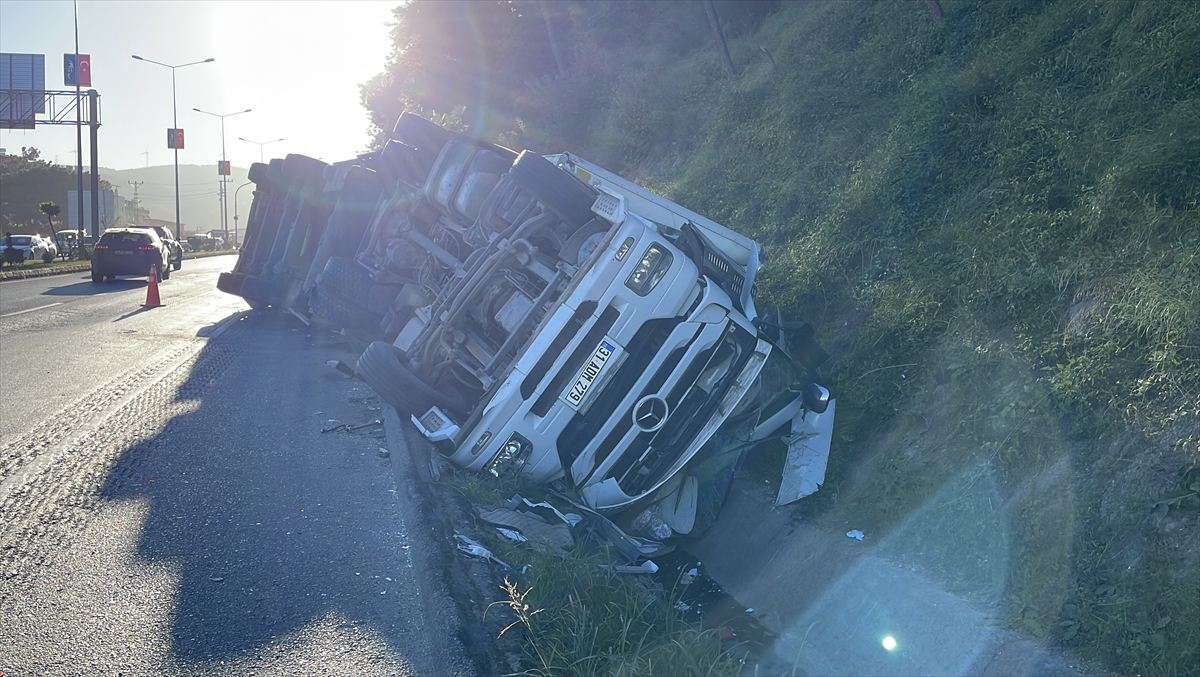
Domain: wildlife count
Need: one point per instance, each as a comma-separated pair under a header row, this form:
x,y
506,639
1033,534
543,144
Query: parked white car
x,y
34,247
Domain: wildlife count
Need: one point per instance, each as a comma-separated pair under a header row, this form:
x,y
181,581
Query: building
x,y
112,210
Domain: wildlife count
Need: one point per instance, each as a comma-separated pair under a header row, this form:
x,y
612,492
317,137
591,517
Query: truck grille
x,y
652,453
583,427
582,352
534,379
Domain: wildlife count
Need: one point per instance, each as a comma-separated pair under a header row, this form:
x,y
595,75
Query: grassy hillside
x,y
992,218
994,224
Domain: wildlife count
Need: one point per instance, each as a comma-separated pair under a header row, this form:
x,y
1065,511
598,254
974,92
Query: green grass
x,y
994,227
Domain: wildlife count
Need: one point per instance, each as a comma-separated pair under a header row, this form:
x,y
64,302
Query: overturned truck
x,y
534,316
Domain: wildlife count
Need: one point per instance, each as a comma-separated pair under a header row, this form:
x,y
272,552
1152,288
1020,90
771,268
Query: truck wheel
x,y
177,263
257,290
380,367
227,283
569,198
425,136
97,277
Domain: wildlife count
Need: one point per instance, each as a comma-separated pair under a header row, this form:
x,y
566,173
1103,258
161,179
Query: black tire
x,y
177,263
380,367
97,277
301,171
256,290
346,279
563,194
257,173
47,258
422,134
337,312
229,283
164,272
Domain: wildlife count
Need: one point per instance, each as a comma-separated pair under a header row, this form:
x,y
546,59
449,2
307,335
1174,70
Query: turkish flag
x,y
85,70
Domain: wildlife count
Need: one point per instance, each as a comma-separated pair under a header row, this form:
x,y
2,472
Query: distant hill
x,y
199,206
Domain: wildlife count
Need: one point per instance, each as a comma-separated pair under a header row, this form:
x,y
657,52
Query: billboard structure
x,y
22,89
23,97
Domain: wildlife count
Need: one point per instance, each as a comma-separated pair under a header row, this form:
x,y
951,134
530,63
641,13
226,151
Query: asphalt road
x,y
170,502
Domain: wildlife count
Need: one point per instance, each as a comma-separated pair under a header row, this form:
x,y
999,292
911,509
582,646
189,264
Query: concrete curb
x,y
428,549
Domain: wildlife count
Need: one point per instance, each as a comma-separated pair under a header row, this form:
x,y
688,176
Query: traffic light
x,y
175,138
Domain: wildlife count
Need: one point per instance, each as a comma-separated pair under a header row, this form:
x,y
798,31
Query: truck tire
x,y
258,292
566,196
425,136
338,312
257,173
380,367
302,171
230,283
164,271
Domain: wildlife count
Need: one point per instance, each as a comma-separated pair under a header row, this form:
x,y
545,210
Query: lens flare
x,y
889,642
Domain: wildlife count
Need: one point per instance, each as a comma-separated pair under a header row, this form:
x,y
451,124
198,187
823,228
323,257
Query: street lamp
x,y
175,123
224,202
235,214
260,145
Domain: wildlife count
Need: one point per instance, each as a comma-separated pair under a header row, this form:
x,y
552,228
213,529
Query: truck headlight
x,y
511,458
650,270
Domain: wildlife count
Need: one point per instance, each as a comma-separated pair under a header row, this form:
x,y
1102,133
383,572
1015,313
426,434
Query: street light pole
x,y
260,145
224,194
235,214
175,122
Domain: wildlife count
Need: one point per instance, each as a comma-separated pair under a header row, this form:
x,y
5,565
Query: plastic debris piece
x,y
750,610
522,504
682,606
647,567
552,534
651,523
855,534
216,579
383,452
512,535
475,549
340,367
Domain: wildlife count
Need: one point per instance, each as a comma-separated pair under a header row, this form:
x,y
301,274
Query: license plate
x,y
592,370
123,253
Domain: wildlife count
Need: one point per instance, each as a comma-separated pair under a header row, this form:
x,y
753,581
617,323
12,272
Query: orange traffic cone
x,y
152,300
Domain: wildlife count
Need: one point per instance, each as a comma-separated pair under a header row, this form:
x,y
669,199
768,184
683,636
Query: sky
x,y
297,66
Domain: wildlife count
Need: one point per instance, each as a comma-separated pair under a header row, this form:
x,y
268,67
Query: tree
x,y
51,210
469,58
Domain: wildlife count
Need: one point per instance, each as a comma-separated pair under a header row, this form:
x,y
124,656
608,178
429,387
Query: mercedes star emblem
x,y
650,413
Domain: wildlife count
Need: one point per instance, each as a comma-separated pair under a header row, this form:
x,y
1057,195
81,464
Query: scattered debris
x,y
383,453
475,549
514,536
647,567
539,524
340,367
855,534
350,428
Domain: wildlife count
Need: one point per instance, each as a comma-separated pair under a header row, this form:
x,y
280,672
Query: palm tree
x,y
51,210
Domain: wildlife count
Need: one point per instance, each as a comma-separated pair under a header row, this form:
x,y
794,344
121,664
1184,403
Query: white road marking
x,y
30,310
